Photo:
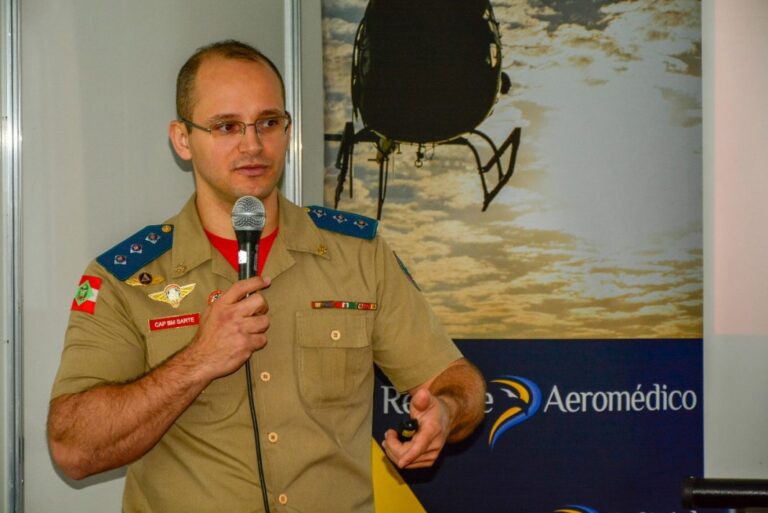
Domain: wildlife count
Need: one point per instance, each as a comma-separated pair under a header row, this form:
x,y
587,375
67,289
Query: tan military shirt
x,y
313,382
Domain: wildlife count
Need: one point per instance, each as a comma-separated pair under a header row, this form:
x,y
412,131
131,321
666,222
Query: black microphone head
x,y
248,215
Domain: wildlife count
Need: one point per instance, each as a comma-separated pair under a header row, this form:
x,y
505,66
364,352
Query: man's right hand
x,y
231,329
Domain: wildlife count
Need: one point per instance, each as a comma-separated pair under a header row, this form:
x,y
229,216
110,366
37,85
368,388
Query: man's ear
x,y
179,135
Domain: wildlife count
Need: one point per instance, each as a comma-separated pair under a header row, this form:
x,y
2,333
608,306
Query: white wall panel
x,y
98,79
735,238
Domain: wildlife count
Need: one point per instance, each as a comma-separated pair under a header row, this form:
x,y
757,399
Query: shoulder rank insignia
x,y
346,223
138,250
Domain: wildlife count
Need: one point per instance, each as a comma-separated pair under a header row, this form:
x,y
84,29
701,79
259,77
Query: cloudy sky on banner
x,y
598,233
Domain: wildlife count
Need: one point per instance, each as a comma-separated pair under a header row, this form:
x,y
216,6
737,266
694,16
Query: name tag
x,y
176,321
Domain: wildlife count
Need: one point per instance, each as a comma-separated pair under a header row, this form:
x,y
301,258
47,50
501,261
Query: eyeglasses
x,y
268,128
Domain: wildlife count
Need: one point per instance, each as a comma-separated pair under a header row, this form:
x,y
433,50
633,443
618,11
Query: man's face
x,y
230,167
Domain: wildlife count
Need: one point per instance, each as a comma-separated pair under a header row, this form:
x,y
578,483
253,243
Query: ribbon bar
x,y
344,305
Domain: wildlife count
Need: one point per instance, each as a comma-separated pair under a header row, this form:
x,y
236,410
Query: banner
x,y
536,165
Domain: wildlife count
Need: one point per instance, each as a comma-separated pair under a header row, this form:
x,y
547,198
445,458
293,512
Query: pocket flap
x,y
332,328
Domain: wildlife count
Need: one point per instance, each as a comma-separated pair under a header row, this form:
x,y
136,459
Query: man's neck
x,y
216,215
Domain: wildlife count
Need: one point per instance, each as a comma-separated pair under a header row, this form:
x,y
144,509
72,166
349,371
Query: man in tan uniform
x,y
152,369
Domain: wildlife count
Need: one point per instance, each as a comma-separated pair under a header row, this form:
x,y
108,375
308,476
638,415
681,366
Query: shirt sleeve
x,y
102,344
411,346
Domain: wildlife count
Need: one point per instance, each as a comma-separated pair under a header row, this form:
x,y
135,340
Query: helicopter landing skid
x,y
345,161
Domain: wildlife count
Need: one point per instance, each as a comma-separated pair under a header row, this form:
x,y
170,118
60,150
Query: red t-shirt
x,y
228,248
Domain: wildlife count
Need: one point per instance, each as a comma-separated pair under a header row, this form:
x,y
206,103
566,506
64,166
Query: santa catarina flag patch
x,y
87,292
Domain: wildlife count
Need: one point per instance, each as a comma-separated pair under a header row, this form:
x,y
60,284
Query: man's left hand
x,y
423,449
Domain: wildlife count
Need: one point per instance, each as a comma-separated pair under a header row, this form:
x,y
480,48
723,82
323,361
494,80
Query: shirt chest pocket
x,y
334,357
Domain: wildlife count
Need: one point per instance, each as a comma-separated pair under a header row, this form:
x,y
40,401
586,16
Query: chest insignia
x,y
128,257
144,279
173,294
346,223
214,296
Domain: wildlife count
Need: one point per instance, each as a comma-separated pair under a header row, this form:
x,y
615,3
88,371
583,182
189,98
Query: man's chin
x,y
263,193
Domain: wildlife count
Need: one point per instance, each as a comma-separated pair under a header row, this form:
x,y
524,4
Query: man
x,y
152,369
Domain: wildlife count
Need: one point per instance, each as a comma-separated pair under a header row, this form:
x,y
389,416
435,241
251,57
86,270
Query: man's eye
x,y
270,123
226,127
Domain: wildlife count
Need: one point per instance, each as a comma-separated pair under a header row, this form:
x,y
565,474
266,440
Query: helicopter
x,y
425,73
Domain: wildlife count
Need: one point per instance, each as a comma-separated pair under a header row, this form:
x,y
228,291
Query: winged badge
x,y
173,294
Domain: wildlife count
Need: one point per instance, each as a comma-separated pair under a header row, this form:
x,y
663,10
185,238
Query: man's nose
x,y
251,138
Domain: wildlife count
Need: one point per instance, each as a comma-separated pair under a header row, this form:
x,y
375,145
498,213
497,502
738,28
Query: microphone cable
x,y
255,424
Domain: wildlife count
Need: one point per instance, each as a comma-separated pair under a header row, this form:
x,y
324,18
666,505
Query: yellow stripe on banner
x,y
390,493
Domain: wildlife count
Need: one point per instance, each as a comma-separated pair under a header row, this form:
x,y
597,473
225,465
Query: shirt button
x,y
272,437
265,376
335,335
282,499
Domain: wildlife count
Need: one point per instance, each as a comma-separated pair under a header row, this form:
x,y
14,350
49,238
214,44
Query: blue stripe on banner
x,y
572,425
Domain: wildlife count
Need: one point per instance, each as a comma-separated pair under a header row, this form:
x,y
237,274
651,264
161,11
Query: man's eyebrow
x,y
221,117
267,113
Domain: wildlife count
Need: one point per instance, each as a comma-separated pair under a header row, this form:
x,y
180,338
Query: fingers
x,y
420,452
243,288
253,305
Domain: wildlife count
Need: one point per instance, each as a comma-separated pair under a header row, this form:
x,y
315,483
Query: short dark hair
x,y
228,49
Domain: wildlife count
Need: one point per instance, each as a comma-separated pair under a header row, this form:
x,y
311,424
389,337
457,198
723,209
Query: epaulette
x,y
141,248
347,223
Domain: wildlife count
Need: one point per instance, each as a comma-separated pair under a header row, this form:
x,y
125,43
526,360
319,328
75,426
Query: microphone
x,y
248,218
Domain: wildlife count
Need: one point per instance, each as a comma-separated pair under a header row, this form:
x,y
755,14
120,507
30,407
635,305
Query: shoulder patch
x,y
346,223
141,248
407,272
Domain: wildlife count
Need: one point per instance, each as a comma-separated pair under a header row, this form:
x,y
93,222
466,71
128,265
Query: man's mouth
x,y
251,169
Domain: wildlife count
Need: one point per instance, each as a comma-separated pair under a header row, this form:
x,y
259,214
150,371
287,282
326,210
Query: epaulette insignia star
x,y
316,211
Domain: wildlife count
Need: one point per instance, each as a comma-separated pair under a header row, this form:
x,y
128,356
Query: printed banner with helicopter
x,y
537,166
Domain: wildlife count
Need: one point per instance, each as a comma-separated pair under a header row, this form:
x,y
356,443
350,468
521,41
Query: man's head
x,y
229,49
223,86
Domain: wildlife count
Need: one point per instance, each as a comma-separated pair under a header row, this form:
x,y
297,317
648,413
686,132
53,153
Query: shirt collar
x,y
296,232
191,246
